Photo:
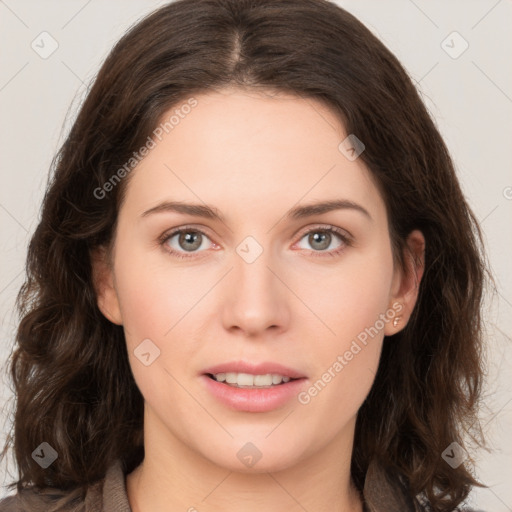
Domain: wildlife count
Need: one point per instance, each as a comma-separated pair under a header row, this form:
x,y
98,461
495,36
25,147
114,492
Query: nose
x,y
255,297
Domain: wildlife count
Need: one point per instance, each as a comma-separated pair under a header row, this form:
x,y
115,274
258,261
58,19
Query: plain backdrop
x,y
467,90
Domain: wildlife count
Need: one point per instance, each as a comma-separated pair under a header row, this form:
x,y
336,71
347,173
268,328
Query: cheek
x,y
350,296
157,304
347,353
154,292
160,301
351,304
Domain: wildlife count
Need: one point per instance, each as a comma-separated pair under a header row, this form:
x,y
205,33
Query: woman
x,y
319,344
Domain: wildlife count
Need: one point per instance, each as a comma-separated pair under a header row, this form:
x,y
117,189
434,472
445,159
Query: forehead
x,y
254,149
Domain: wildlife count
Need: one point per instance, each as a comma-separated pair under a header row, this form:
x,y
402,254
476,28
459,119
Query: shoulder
x,y
105,495
423,505
386,490
9,504
49,500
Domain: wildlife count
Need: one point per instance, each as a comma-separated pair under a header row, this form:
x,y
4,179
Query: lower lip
x,y
254,400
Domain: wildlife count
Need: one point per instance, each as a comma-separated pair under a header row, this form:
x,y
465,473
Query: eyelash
x,y
322,254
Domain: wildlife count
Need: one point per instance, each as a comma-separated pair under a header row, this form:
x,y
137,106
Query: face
x,y
313,292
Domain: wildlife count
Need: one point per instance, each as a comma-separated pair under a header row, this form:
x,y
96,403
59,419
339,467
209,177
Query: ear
x,y
406,283
103,281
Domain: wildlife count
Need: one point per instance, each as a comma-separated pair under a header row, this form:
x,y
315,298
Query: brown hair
x,y
70,369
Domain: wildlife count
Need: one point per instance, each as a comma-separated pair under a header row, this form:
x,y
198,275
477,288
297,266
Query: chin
x,y
278,462
250,454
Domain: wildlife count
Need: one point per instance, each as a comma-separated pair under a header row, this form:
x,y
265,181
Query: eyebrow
x,y
299,212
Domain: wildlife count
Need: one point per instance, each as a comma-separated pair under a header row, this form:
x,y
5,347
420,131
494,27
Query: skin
x,y
253,156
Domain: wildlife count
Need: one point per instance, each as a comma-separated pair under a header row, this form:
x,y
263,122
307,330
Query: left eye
x,y
320,239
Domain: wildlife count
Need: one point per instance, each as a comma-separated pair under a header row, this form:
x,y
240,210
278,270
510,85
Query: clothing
x,y
382,493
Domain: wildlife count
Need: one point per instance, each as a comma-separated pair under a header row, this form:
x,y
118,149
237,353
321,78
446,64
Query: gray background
x,y
470,97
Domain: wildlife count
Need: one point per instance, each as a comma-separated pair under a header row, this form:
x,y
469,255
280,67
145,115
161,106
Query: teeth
x,y
247,380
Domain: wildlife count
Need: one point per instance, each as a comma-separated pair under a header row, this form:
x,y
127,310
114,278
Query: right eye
x,y
187,240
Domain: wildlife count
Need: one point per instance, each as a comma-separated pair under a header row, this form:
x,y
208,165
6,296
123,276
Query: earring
x,y
396,321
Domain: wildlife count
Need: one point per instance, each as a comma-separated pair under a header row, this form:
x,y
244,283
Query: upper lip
x,y
254,369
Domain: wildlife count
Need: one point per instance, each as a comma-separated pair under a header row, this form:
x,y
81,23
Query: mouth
x,y
253,392
250,381
245,374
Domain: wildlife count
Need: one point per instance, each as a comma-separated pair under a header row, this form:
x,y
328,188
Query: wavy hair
x,y
73,384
